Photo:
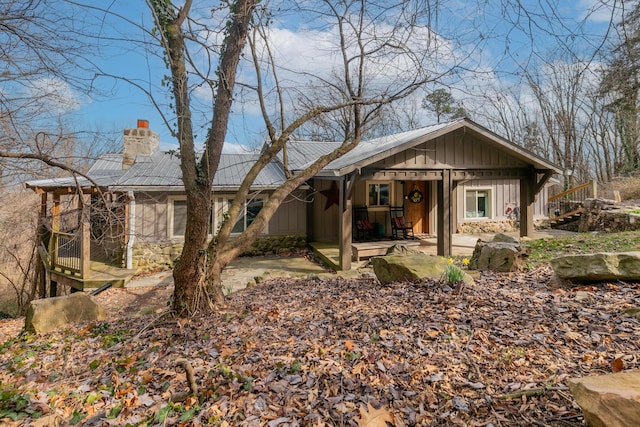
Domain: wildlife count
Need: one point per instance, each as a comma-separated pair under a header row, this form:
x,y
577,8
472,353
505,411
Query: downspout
x,y
132,229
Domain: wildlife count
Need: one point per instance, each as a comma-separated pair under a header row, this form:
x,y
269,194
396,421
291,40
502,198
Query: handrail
x,y
570,191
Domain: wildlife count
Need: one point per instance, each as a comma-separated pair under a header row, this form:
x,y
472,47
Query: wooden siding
x,y
503,193
151,216
325,221
456,150
291,216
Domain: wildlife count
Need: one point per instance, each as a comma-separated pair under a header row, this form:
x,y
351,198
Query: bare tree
x,y
375,65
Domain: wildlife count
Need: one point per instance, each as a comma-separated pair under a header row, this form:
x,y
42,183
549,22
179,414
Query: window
x,y
477,204
248,215
379,194
178,217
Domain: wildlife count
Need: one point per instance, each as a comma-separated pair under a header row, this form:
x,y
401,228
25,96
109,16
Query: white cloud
x,y
53,95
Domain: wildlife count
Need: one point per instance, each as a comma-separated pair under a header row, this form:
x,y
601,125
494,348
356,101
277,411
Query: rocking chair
x,y
399,224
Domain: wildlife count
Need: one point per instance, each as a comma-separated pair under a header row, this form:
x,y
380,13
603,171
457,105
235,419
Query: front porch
x,y
329,252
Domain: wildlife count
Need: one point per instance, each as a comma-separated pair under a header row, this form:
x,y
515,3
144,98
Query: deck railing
x,y
571,200
70,252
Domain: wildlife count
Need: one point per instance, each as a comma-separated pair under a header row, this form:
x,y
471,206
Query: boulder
x,y
504,238
598,267
499,256
47,314
410,266
402,249
611,400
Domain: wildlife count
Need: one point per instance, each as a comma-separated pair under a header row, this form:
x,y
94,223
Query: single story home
x,y
435,178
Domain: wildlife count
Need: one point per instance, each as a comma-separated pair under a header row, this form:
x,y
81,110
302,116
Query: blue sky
x,y
116,105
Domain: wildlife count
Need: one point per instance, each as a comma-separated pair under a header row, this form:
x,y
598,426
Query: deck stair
x,y
566,218
566,207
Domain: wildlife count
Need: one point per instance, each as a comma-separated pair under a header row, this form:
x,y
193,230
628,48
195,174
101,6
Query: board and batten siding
x,y
151,216
291,216
504,193
325,221
456,150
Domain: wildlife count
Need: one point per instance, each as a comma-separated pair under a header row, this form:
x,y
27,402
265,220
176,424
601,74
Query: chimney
x,y
140,140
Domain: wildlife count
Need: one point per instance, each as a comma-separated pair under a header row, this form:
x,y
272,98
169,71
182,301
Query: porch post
x,y
310,219
41,274
85,244
527,199
55,229
444,228
345,232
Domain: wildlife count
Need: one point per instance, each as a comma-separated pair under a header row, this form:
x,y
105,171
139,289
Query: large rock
x,y
609,400
48,314
598,267
499,256
410,266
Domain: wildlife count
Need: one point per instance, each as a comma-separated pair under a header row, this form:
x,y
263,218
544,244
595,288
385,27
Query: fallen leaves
x,y
332,353
371,417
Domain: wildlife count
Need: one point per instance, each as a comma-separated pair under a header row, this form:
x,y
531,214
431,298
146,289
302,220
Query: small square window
x,y
379,194
477,204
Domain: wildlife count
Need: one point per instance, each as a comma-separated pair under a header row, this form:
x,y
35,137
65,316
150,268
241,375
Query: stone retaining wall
x,y
609,216
147,256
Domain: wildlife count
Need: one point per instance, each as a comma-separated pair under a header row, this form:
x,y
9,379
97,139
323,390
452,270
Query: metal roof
x,y
161,171
371,151
301,153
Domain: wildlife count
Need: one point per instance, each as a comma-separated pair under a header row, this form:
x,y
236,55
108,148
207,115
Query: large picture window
x,y
247,215
477,203
379,193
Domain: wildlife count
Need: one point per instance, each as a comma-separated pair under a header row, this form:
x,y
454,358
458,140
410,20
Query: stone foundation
x,y
147,256
476,227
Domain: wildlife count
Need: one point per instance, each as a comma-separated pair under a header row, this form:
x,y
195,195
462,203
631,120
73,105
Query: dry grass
x,y
628,187
18,214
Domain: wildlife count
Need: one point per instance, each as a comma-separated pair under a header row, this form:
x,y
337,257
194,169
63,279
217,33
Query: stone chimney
x,y
140,140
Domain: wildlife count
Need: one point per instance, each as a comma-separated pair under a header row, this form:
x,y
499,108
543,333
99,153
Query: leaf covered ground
x,y
330,352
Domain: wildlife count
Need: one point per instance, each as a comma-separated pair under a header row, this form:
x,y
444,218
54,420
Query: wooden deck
x,y
100,274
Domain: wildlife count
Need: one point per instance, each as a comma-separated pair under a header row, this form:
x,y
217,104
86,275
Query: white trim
x,y
391,193
490,202
227,200
170,200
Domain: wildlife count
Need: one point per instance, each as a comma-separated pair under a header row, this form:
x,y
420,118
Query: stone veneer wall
x,y
475,227
147,256
501,226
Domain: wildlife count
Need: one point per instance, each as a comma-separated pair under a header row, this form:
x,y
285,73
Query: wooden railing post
x,y
55,229
594,188
85,246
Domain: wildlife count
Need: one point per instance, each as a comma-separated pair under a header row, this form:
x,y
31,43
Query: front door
x,y
416,205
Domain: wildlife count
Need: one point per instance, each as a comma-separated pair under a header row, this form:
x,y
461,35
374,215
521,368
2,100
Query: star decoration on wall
x,y
332,194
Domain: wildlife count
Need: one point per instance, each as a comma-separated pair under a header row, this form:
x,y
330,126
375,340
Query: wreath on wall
x,y
415,196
